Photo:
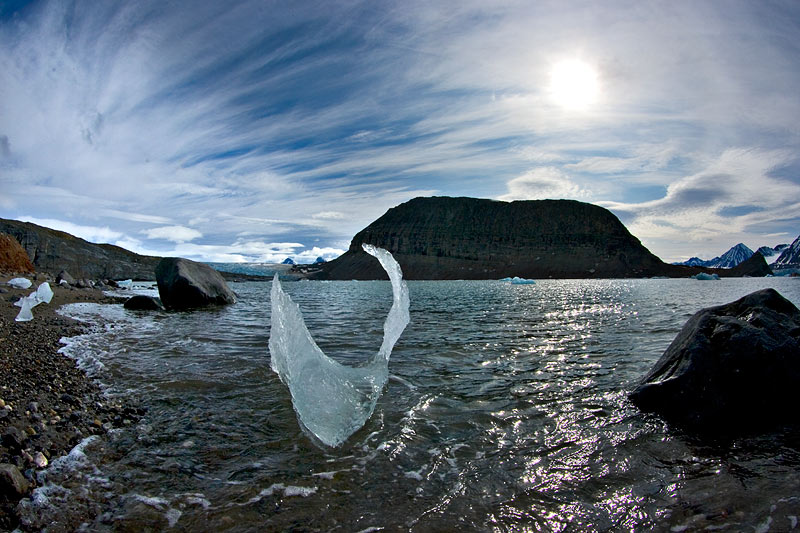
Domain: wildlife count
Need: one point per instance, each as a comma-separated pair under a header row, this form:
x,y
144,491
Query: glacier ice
x,y
20,283
41,295
702,276
332,400
516,280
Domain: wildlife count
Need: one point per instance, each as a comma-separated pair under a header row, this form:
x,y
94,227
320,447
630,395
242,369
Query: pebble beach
x,y
47,404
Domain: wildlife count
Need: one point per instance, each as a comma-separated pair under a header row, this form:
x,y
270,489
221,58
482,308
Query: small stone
x,y
39,460
30,431
2,402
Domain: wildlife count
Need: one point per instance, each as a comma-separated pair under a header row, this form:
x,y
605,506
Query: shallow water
x,y
506,411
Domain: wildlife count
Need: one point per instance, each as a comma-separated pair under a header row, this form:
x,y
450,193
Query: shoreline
x,y
48,405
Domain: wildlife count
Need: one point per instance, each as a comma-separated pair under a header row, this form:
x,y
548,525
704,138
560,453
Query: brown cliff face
x,y
469,238
12,256
51,251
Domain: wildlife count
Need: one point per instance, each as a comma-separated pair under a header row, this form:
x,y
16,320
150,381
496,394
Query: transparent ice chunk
x,y
25,314
332,401
20,283
44,293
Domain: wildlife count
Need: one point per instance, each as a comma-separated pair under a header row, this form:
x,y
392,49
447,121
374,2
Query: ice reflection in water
x,y
517,418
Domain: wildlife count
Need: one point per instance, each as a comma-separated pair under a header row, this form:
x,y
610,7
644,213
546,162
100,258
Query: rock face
x,y
13,257
185,284
51,251
732,367
469,238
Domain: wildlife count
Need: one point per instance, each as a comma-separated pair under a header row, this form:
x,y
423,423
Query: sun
x,y
574,84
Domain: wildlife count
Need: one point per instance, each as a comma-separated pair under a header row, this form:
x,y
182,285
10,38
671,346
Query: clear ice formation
x,y
333,400
20,283
41,295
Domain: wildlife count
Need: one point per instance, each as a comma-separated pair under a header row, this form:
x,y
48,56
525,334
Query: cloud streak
x,y
304,122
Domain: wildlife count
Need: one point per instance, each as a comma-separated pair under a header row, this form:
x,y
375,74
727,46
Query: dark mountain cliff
x,y
52,250
470,238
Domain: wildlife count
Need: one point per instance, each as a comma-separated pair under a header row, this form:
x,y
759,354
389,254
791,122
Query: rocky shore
x,y
47,404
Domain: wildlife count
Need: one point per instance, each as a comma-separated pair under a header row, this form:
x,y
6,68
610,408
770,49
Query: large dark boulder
x,y
185,284
732,368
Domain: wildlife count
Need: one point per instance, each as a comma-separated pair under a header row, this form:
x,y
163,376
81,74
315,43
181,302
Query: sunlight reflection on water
x,y
509,412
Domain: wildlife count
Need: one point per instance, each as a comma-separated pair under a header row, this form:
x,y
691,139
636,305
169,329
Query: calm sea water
x,y
507,411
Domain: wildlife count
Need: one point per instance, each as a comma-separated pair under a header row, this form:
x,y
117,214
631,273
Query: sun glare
x,y
574,84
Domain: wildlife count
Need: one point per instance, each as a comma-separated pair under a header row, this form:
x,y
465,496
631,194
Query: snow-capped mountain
x,y
729,259
771,254
790,257
739,254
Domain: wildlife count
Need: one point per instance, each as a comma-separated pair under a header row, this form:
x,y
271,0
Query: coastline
x,y
48,404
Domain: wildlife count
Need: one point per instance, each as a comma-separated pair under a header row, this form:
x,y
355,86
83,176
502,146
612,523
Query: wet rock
x,y
732,368
185,284
13,484
143,303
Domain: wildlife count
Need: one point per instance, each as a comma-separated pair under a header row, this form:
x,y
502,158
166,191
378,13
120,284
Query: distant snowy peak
x,y
790,257
288,261
736,255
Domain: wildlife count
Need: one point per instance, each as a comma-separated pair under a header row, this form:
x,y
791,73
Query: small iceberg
x,y
702,276
519,281
333,401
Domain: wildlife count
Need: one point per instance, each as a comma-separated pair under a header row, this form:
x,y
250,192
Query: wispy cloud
x,y
304,124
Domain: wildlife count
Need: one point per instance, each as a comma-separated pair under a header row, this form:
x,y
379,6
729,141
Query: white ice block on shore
x,y
20,283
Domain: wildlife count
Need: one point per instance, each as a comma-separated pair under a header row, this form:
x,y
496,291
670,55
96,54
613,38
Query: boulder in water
x,y
141,302
732,368
185,284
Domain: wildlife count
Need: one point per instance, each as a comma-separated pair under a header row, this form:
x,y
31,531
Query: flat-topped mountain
x,y
470,238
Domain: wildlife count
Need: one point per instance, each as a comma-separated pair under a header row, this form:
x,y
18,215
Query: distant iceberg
x,y
519,281
702,276
332,400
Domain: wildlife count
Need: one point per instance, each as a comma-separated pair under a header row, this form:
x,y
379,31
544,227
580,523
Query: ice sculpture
x,y
332,400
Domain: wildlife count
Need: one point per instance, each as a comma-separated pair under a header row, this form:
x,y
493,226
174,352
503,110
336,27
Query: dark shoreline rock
x,y
733,368
185,284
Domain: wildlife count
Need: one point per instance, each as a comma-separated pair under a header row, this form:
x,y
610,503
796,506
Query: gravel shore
x,y
47,404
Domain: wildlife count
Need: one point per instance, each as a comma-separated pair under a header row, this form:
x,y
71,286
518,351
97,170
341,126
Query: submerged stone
x,y
143,303
732,368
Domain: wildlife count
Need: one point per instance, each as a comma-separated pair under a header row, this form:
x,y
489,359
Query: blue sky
x,y
253,131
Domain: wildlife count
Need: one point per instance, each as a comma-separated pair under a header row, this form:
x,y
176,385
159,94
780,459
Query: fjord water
x,y
505,410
